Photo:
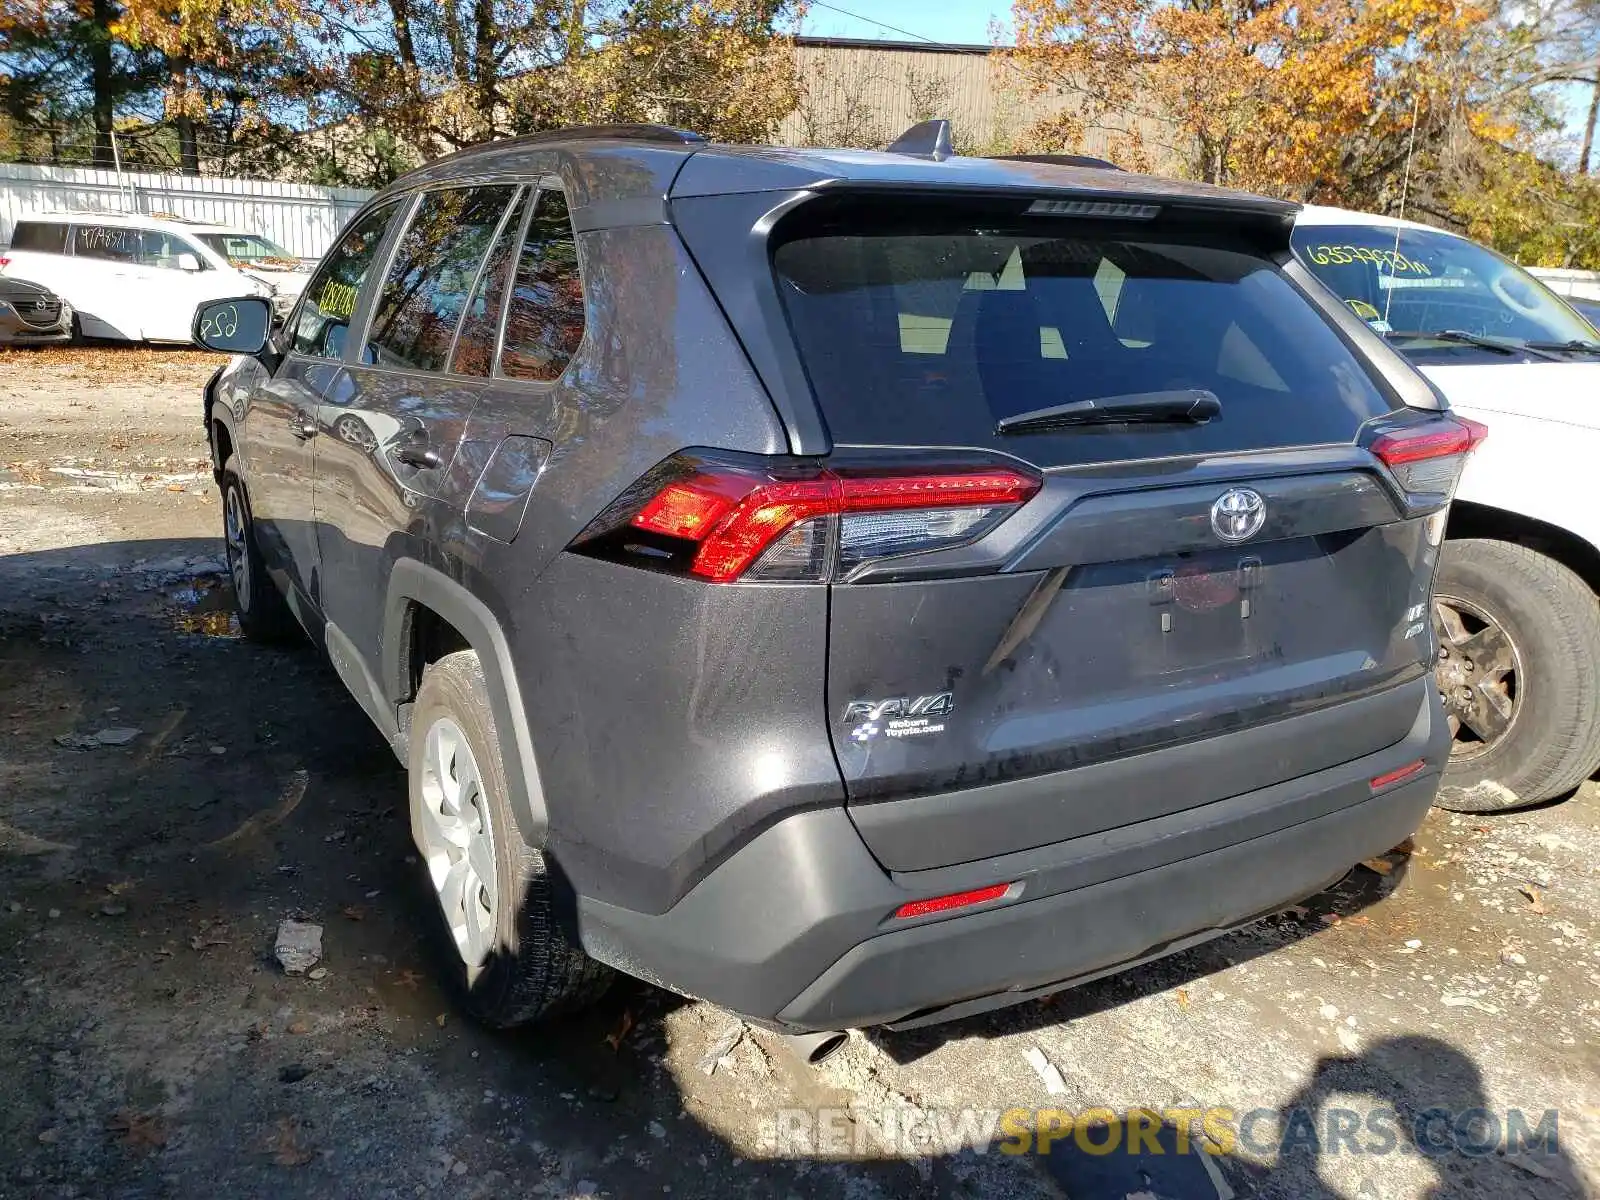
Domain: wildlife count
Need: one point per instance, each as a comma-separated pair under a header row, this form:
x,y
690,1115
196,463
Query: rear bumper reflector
x,y
1389,778
938,904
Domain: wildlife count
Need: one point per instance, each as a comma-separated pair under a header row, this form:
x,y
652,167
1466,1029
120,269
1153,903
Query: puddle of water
x,y
204,606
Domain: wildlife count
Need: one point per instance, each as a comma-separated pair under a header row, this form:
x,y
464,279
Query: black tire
x,y
264,615
1552,620
537,969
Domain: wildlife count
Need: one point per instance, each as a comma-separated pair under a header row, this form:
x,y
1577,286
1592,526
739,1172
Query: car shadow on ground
x,y
155,1047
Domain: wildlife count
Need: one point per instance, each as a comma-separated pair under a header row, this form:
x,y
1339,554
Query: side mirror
x,y
234,326
188,262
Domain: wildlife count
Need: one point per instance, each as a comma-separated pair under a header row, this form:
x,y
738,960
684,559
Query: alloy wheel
x,y
236,531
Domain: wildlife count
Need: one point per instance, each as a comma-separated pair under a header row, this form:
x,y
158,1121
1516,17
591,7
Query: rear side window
x,y
432,276
930,338
322,322
480,324
42,237
544,321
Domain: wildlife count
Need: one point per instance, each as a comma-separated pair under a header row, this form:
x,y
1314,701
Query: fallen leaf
x,y
1047,1071
614,1040
287,1150
721,1048
1183,997
1382,866
137,1131
299,1028
1532,1167
1535,895
354,912
439,1020
1362,919
1468,1002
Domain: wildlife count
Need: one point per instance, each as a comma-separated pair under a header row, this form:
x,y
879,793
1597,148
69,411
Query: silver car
x,y
31,314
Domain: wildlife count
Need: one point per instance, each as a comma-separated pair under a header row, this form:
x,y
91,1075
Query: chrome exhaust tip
x,y
813,1048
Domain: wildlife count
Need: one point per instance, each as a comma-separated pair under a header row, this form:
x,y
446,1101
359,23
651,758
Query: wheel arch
x,y
416,589
219,426
1472,520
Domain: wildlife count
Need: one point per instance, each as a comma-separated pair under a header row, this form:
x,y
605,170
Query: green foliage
x,y
1530,211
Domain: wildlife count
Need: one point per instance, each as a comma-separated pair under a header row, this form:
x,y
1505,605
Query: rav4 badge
x,y
899,716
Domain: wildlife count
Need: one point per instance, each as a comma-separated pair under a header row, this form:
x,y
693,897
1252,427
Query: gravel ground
x,y
153,1047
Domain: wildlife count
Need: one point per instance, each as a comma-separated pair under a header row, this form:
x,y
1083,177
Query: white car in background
x,y
1515,610
139,277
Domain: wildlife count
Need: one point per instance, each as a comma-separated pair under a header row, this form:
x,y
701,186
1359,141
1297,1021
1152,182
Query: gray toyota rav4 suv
x,y
854,588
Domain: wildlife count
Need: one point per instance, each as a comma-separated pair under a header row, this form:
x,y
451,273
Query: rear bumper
x,y
795,929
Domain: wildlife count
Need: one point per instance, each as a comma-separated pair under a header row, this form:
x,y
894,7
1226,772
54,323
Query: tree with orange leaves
x,y
1307,98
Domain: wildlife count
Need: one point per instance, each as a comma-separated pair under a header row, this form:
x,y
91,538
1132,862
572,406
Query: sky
x,y
956,21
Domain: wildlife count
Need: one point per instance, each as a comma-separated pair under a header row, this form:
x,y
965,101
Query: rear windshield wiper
x,y
1482,341
1194,405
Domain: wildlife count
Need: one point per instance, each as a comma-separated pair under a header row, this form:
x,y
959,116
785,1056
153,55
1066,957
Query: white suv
x,y
140,277
1515,607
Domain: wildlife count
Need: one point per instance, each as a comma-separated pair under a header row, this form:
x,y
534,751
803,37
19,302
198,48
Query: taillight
x,y
4,262
1429,457
722,519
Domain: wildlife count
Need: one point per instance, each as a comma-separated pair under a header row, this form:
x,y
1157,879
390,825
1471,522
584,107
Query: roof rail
x,y
630,131
927,139
660,134
1060,160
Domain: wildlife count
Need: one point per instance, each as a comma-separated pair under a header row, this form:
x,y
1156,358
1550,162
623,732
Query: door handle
x,y
303,428
417,455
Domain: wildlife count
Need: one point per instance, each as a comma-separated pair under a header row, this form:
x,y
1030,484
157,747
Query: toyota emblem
x,y
1238,515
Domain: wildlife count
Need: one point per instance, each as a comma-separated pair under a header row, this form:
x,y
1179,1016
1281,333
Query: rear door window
x,y
112,243
480,323
930,338
432,275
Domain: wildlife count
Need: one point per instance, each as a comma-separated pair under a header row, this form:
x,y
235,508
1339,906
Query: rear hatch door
x,y
1172,580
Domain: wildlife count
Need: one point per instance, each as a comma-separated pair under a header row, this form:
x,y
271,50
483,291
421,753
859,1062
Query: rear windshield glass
x,y
931,338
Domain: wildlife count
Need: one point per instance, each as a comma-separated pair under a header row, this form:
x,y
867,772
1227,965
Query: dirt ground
x,y
152,1047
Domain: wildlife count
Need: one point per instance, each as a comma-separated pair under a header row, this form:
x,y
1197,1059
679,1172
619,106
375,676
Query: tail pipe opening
x,y
813,1048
